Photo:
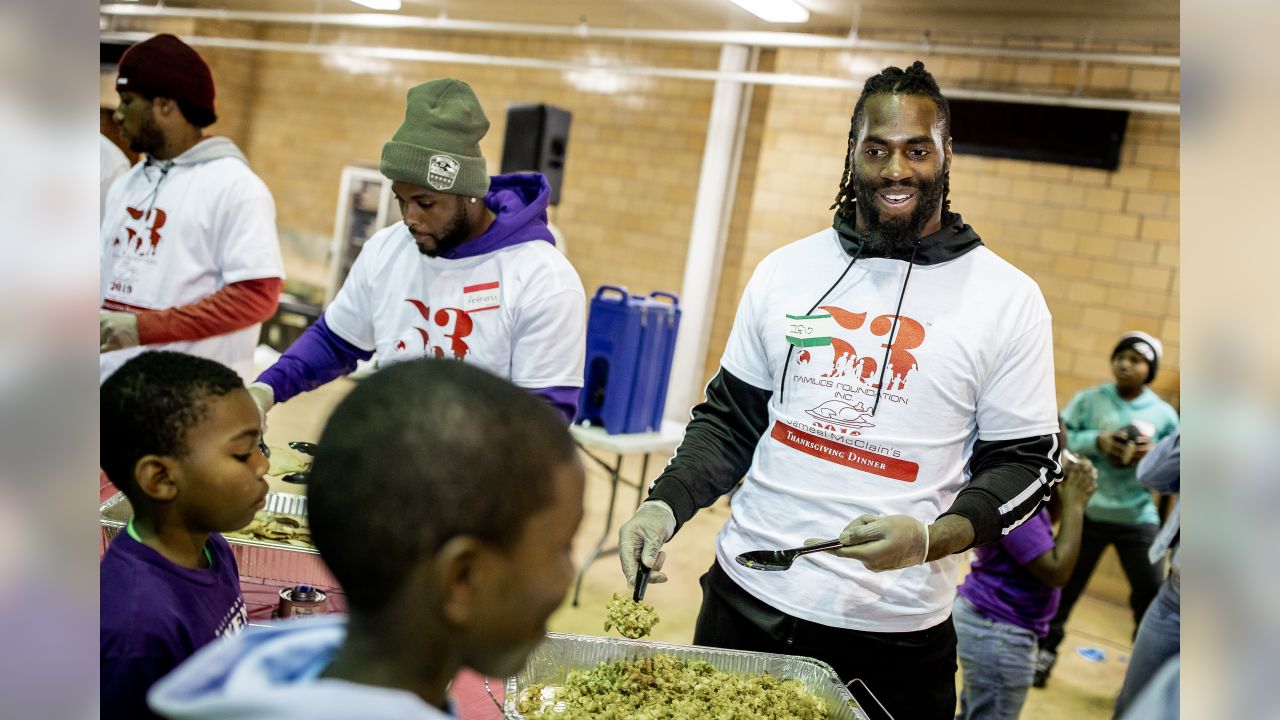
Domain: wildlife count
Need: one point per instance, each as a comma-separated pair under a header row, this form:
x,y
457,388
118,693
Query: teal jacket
x,y
1120,497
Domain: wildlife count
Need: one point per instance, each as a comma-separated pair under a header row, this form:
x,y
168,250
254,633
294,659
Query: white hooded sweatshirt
x,y
268,673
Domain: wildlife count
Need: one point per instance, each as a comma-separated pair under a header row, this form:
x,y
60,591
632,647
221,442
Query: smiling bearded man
x,y
946,348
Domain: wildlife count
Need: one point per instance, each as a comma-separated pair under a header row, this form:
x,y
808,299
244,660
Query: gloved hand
x,y
117,330
264,397
640,540
885,542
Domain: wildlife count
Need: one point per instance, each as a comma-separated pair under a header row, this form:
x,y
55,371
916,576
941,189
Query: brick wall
x,y
1103,246
632,165
630,171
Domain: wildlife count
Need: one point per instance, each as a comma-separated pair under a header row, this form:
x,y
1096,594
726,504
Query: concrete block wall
x,y
635,144
633,158
1102,245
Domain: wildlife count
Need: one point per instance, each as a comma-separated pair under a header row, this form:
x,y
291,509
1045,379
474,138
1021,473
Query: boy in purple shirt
x,y
180,438
1011,593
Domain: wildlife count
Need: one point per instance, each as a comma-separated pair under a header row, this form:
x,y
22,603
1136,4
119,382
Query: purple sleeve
x,y
314,359
563,399
1029,540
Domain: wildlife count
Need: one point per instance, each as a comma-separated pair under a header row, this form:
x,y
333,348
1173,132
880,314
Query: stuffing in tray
x,y
663,687
631,619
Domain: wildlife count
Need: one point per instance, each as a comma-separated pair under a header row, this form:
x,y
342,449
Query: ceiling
x,y
1138,21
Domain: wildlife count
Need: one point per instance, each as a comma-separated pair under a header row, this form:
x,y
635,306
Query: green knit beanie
x,y
438,146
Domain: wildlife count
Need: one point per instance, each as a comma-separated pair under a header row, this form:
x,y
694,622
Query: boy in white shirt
x,y
453,556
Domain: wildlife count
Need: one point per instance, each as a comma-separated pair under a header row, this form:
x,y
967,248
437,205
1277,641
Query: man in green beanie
x,y
472,273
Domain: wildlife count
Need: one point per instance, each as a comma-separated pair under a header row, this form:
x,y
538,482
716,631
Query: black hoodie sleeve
x,y
717,446
1009,481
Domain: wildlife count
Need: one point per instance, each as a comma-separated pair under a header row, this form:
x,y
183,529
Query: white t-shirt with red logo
x,y
517,312
206,226
973,359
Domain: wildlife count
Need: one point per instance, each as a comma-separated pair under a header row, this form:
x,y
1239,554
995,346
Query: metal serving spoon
x,y
300,478
782,559
642,582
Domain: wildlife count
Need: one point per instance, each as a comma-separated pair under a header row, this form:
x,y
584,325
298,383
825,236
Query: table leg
x,y
615,473
643,485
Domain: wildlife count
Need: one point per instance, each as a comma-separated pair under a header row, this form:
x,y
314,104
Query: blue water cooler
x,y
631,340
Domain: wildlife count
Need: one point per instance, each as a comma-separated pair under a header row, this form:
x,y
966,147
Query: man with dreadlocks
x,y
889,370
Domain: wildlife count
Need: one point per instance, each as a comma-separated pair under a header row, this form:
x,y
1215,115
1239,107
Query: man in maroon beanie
x,y
190,260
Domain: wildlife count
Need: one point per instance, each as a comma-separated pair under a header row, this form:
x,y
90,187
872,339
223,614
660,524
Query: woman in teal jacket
x,y
1115,425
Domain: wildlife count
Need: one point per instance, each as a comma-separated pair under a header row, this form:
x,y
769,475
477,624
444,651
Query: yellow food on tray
x,y
632,619
286,460
663,687
278,528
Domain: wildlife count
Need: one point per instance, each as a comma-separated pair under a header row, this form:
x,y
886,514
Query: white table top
x,y
667,438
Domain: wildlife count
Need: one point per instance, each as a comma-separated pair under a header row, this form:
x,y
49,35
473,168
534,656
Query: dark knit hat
x,y
1146,346
164,66
438,146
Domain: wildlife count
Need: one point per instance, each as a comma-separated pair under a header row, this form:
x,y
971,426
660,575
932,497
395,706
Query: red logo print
x,y
449,324
847,361
142,231
858,458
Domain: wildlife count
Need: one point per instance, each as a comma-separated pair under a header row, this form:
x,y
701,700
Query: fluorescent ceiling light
x,y
379,4
775,11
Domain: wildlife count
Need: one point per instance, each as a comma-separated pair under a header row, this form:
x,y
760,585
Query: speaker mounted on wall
x,y
537,140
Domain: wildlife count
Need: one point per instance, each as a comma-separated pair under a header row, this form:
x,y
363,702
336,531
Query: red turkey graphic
x,y
848,362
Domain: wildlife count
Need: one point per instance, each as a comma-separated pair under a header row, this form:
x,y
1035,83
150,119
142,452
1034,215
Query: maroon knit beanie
x,y
164,66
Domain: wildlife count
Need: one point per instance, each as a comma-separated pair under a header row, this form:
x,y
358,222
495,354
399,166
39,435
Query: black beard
x,y
453,235
149,139
892,238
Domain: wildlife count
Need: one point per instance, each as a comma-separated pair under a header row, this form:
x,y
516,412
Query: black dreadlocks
x,y
915,80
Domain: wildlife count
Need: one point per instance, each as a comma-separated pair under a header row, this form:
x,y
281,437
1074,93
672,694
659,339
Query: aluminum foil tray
x,y
263,559
560,653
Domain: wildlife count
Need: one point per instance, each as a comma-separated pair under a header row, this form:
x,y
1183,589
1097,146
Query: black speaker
x,y
537,140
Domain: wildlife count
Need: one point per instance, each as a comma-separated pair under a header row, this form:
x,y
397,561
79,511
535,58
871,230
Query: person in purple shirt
x,y
471,273
1006,602
180,437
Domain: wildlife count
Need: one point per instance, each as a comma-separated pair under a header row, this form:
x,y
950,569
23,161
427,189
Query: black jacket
x,y
722,436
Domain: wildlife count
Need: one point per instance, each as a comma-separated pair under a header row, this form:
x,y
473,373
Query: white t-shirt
x,y
518,312
973,360
206,226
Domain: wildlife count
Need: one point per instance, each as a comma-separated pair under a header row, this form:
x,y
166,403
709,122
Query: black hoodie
x,y
725,428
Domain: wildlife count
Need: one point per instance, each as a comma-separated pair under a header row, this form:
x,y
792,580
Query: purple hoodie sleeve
x,y
315,358
563,399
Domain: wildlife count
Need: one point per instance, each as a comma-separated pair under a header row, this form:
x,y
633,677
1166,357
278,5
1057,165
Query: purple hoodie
x,y
519,203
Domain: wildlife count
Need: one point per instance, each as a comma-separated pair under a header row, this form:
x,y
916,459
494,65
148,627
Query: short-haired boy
x,y
445,501
180,437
